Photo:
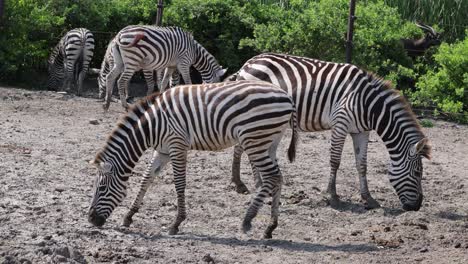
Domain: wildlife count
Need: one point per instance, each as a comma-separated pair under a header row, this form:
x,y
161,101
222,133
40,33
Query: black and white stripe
x,y
108,63
347,100
200,117
154,48
69,61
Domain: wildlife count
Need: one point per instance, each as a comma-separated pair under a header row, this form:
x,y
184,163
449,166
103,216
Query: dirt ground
x,y
46,139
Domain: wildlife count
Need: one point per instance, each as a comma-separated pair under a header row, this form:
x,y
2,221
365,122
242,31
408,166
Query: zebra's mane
x,y
385,85
138,110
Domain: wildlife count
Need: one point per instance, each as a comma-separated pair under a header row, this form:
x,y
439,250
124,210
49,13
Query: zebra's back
x,y
220,115
155,47
319,88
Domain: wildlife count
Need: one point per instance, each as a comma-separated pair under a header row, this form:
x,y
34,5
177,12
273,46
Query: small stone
x,y
422,226
423,250
93,121
24,261
386,229
59,189
47,237
208,259
458,245
357,232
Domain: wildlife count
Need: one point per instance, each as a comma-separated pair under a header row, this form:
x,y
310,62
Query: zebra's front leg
x,y
179,165
337,142
157,164
360,142
235,178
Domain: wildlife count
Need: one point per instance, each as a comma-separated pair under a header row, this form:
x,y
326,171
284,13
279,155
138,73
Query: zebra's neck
x,y
139,130
205,63
391,117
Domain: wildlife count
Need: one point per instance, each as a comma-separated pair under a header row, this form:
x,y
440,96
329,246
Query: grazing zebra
x,y
157,48
212,117
347,100
69,61
108,63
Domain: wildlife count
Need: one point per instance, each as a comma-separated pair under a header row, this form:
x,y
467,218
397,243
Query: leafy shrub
x,y
317,29
445,86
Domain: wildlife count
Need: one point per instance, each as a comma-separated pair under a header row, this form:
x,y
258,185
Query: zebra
x,y
212,117
157,48
347,100
69,60
108,63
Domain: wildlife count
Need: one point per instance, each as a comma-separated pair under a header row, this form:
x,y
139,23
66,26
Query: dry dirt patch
x,y
47,138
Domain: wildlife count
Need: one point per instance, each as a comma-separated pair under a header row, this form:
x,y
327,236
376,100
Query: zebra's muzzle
x,y
94,218
414,206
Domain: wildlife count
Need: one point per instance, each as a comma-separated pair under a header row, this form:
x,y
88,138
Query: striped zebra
x,y
69,61
347,100
157,48
196,117
108,63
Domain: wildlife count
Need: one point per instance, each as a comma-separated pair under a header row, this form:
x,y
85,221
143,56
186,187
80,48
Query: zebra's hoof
x,y
246,226
268,235
242,189
173,231
371,203
127,221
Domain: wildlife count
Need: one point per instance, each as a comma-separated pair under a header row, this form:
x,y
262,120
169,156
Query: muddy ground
x,y
46,139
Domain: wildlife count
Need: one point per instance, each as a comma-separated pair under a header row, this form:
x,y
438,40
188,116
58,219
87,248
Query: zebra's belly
x,y
212,144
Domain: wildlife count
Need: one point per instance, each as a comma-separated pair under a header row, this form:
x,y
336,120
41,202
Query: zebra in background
x,y
347,100
69,61
108,63
157,48
196,117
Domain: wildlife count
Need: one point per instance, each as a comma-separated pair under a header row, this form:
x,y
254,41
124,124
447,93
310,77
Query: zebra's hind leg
x,y
179,165
157,164
235,178
360,142
276,192
271,180
122,84
149,78
337,142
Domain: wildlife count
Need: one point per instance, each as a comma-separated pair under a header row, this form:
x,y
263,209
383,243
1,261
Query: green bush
x,y
317,29
218,25
445,86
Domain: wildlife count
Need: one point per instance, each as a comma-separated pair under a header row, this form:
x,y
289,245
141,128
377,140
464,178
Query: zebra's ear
x,y
220,73
102,165
423,148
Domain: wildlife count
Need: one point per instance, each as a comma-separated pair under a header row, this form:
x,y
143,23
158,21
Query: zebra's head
x,y
406,175
110,189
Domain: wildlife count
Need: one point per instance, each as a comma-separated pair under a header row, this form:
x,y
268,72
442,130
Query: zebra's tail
x,y
293,144
135,41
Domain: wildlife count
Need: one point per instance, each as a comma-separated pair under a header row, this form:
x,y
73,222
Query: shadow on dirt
x,y
274,243
451,216
359,208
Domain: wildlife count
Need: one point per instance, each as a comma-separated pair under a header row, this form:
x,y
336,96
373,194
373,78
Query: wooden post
x,y
349,35
159,13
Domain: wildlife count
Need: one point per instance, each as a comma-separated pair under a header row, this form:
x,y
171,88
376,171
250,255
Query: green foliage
x,y
445,86
317,29
218,25
31,28
449,16
426,123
